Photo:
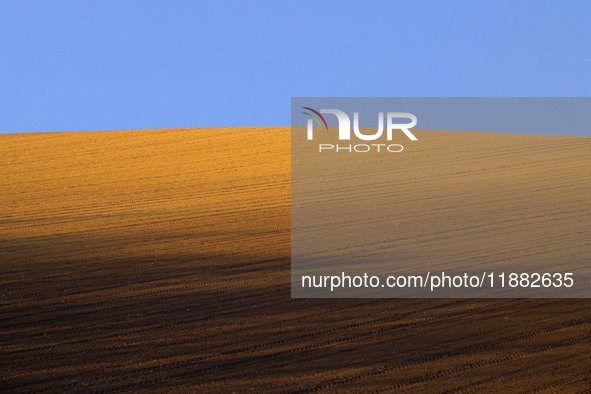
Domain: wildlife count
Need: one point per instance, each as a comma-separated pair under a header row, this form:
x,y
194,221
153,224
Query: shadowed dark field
x,y
158,261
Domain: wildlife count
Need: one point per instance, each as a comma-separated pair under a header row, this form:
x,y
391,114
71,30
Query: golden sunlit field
x,y
159,261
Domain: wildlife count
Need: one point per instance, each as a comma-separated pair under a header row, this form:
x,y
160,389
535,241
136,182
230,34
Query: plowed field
x,y
159,261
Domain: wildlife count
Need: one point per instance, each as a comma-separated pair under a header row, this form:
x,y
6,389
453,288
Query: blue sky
x,y
109,65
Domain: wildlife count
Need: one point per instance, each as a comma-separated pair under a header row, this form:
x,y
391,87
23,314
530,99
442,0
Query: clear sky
x,y
122,64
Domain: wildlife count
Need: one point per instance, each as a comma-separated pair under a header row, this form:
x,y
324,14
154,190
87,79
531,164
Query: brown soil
x,y
158,261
